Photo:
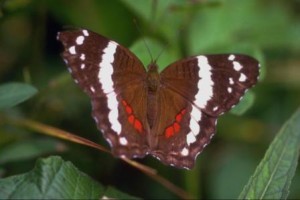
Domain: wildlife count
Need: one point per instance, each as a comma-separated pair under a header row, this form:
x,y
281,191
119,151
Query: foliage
x,y
12,94
273,175
52,178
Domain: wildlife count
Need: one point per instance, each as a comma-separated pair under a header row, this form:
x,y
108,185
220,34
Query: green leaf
x,y
224,25
26,149
120,30
272,177
52,178
145,8
165,19
12,94
167,56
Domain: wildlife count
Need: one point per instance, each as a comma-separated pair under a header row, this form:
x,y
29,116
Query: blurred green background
x,y
269,30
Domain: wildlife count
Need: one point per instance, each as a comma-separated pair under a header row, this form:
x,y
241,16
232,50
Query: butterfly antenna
x,y
147,47
161,51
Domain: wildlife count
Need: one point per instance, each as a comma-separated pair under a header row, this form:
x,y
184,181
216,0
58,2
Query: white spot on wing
x,y
242,77
82,66
197,154
215,108
79,40
92,89
85,32
229,89
82,56
123,141
114,113
72,50
106,68
96,119
241,98
184,152
231,82
190,138
216,122
231,57
205,84
194,126
109,141
237,66
195,113
195,118
158,158
105,78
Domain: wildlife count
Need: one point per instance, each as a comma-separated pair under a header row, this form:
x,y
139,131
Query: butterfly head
x,y
152,67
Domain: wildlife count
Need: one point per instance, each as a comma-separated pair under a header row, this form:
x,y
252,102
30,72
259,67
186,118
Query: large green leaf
x,y
273,176
235,22
53,178
12,94
166,19
28,149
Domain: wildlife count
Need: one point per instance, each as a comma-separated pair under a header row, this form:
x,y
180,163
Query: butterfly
x,y
171,115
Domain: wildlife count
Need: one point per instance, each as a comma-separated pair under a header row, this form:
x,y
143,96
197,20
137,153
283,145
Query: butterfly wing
x,y
194,92
114,80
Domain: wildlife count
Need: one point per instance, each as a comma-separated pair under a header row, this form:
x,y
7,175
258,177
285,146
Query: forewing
x,y
114,79
213,83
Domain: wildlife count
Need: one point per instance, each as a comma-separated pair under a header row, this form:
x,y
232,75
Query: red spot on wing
x,y
169,131
128,110
178,117
175,127
137,124
131,119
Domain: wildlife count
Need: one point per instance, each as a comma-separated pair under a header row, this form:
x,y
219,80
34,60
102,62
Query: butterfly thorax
x,y
153,78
